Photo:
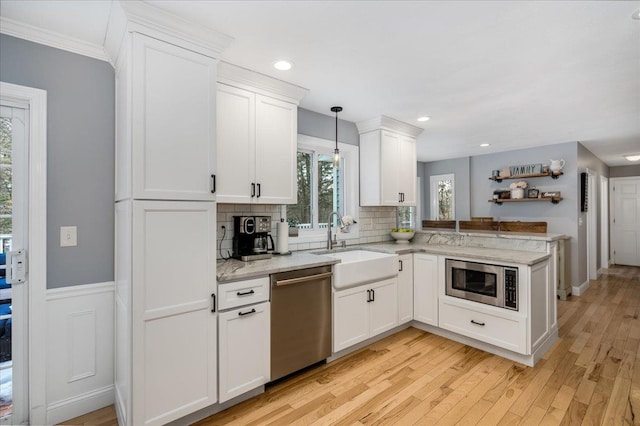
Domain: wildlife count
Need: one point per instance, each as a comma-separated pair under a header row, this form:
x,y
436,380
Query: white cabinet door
x,y
383,309
244,348
390,157
425,288
405,288
276,148
407,171
351,317
173,148
235,144
174,330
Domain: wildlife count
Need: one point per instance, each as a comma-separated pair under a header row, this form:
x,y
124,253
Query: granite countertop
x,y
480,253
234,270
493,234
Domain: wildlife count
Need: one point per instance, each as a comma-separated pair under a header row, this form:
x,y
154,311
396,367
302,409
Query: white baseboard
x,y
81,404
579,290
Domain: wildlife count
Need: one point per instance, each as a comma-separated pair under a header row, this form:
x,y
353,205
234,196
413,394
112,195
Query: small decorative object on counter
x,y
495,173
517,189
402,235
347,221
533,193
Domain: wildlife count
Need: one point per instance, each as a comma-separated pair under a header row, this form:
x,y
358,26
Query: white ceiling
x,y
513,74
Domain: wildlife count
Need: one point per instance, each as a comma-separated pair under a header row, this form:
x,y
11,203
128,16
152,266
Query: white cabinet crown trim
x,y
247,79
387,123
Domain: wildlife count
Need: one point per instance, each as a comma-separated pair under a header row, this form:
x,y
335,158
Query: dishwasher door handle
x,y
304,279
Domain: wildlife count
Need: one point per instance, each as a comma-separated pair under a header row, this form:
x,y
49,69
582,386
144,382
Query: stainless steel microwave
x,y
484,283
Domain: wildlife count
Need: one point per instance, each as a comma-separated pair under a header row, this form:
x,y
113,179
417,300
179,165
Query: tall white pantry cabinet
x,y
166,319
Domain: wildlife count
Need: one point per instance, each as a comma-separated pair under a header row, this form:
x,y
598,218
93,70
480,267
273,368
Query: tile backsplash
x,y
375,224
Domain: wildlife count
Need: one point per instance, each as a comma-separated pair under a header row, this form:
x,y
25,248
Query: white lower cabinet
x,y
405,288
244,349
425,288
499,329
363,312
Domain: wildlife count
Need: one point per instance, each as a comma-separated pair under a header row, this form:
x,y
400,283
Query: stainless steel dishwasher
x,y
300,319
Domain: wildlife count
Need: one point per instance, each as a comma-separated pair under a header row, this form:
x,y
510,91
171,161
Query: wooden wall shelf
x,y
554,200
553,175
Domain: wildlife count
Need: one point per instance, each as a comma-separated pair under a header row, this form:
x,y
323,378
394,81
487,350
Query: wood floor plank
x,y
591,376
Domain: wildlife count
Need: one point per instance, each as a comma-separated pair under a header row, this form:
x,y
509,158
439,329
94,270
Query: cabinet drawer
x,y
242,293
508,333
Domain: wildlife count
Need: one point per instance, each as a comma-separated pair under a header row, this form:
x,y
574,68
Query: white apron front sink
x,y
361,266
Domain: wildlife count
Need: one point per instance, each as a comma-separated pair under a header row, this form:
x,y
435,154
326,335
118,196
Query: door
x,y
390,152
173,122
244,350
236,139
13,284
425,288
405,288
625,239
174,329
351,317
383,311
276,151
407,171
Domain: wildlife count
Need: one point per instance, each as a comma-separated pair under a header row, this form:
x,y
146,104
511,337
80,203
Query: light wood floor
x,y
590,377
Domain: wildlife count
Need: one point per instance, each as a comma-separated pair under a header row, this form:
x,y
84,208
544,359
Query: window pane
x,y
5,177
406,217
328,199
300,214
445,195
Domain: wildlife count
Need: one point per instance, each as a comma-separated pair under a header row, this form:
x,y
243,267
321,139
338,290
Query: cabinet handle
x,y
373,295
246,293
368,296
253,189
213,179
213,296
401,266
253,311
477,323
402,197
399,197
258,190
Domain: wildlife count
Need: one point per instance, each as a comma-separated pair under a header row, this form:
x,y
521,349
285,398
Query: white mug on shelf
x,y
556,165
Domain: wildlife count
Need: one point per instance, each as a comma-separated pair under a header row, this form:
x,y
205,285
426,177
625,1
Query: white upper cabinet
x,y
171,154
388,167
257,126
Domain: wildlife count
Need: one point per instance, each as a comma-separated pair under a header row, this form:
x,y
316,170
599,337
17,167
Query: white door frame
x,y
37,225
604,223
592,238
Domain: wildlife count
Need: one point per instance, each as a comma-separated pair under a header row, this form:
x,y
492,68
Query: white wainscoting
x,y
79,350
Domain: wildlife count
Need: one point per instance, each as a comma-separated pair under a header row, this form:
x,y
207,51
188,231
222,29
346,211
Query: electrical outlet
x,y
68,236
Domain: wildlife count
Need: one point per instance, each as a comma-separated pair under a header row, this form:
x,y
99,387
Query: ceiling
x,y
513,74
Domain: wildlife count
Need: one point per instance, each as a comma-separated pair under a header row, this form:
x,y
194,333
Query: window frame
x,y
351,196
433,194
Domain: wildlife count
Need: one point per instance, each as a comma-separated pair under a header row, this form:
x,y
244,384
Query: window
x,y
323,189
409,217
442,189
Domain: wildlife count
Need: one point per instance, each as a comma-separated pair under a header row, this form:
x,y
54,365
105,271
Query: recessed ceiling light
x,y
282,65
424,118
634,157
484,145
636,15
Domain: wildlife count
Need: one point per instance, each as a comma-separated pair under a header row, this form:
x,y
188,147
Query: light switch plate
x,y
68,236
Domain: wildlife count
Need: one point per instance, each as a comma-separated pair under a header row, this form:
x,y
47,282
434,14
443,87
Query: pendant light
x,y
336,152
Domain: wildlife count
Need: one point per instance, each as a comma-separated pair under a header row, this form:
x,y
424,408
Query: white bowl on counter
x,y
403,237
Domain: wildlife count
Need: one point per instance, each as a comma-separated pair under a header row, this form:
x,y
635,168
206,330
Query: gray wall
x,y
460,168
624,171
80,154
324,126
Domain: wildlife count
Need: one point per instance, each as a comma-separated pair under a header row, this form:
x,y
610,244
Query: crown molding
x,y
50,38
144,18
244,78
387,123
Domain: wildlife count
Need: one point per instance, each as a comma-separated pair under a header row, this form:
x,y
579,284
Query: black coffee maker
x,y
251,237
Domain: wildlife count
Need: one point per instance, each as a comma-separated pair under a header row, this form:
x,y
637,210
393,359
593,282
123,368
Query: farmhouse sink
x,y
361,266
